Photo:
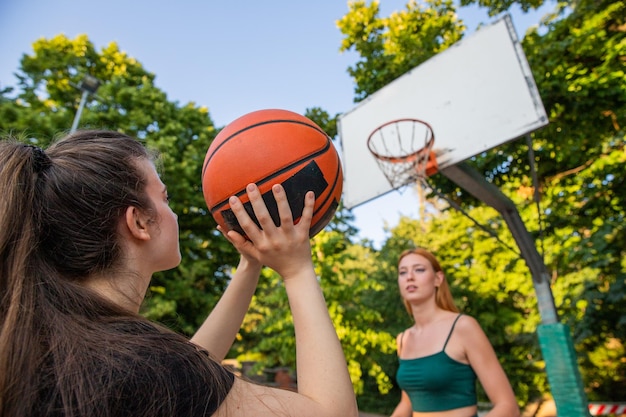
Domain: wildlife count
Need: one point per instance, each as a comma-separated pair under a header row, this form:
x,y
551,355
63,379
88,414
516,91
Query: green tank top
x,y
437,382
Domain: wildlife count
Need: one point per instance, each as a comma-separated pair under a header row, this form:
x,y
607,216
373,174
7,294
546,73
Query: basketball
x,y
268,147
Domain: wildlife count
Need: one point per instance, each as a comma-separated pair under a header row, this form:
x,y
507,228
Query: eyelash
x,y
418,270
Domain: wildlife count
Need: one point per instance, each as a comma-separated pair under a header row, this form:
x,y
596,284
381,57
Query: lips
x,y
411,288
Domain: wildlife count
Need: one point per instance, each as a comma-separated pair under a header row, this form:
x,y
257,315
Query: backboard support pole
x,y
473,182
555,339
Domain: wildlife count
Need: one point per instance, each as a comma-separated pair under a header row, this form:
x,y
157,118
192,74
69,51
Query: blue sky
x,y
231,56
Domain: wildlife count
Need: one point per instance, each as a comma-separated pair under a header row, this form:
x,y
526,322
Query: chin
x,y
171,265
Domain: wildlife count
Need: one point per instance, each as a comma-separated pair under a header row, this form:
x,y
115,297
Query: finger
x,y
307,211
236,239
260,209
225,233
245,221
240,242
284,211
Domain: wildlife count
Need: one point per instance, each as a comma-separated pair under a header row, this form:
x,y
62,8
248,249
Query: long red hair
x,y
443,297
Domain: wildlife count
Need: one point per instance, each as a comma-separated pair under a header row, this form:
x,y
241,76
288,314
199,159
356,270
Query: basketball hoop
x,y
403,150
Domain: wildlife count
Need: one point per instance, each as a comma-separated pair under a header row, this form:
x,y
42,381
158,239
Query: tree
x,y
579,68
44,104
391,46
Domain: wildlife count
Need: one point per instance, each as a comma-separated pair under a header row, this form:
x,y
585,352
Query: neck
x,y
126,293
425,314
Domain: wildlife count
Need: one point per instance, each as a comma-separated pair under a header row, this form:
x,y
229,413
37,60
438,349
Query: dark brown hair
x,y
443,298
63,348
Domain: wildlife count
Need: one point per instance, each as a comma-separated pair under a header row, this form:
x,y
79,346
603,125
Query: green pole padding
x,y
566,384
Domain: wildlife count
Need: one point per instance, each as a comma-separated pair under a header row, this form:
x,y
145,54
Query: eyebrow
x,y
412,265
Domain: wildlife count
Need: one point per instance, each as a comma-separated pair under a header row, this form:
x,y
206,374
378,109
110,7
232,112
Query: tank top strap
x,y
451,329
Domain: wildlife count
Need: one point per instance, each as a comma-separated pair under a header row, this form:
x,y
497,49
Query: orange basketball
x,y
268,147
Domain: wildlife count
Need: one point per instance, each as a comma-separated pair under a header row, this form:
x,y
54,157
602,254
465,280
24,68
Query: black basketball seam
x,y
314,226
277,173
206,163
331,191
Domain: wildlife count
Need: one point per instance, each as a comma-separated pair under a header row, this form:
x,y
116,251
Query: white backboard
x,y
476,95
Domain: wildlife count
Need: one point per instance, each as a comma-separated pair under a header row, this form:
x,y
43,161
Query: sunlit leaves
x,y
576,207
391,46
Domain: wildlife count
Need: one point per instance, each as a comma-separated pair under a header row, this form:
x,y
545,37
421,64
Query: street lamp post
x,y
89,85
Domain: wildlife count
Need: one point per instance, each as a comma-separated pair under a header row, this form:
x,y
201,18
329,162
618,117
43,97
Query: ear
x,y
137,223
439,278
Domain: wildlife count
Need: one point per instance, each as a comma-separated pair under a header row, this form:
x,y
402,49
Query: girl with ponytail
x,y
83,226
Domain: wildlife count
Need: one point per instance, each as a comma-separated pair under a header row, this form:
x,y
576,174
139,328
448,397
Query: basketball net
x,y
403,151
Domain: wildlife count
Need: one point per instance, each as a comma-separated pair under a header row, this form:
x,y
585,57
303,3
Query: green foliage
x,y
321,117
43,106
579,68
575,210
577,60
391,46
495,7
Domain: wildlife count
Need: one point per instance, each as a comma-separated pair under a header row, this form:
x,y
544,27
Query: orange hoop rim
x,y
411,157
396,167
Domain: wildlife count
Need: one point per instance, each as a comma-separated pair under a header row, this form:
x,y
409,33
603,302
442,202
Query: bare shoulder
x,y
248,398
399,339
400,335
403,333
469,329
466,322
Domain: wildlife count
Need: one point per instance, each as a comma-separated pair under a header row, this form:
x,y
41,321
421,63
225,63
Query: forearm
x,y
220,328
504,410
404,408
321,365
402,411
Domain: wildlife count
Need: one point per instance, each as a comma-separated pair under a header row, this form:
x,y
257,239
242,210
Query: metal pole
x,y
79,112
473,182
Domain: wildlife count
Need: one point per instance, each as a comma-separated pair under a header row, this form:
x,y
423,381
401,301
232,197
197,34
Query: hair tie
x,y
41,161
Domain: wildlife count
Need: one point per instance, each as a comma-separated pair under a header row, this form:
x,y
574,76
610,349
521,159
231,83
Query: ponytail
x,y
20,171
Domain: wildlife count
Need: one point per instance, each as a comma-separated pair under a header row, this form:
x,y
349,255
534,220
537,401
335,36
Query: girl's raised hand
x,y
285,248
